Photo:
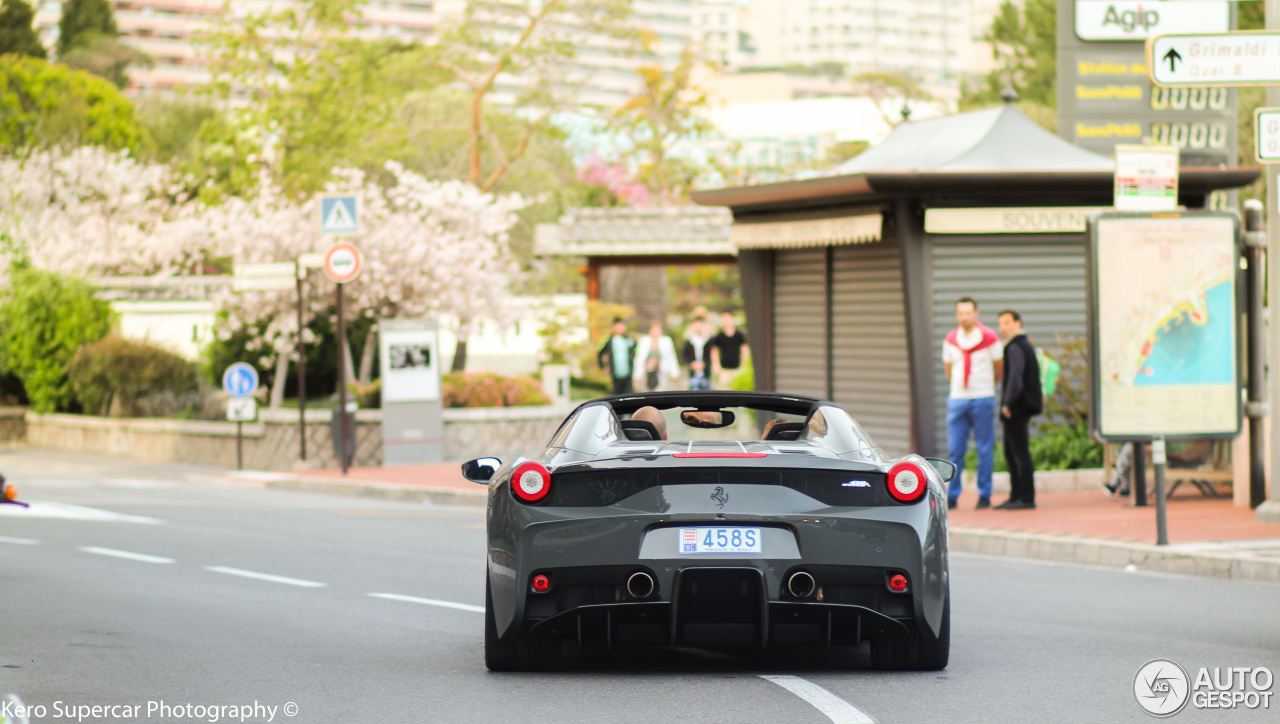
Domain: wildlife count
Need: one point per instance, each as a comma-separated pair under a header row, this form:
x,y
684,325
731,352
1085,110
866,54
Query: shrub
x,y
490,389
116,375
368,396
44,319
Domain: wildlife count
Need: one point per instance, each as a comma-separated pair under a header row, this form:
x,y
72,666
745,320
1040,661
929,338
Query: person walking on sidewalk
x,y
618,356
697,355
727,351
1022,398
972,357
656,357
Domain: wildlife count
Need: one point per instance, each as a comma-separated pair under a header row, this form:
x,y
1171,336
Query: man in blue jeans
x,y
973,358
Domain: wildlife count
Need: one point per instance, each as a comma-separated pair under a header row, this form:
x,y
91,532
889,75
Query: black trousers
x,y
1017,455
622,386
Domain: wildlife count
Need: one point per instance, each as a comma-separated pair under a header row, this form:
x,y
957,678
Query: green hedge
x,y
44,319
490,389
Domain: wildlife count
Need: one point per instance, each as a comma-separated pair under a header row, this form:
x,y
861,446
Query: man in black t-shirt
x,y
728,348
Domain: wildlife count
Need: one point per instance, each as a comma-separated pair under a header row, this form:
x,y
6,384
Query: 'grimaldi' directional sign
x,y
1215,59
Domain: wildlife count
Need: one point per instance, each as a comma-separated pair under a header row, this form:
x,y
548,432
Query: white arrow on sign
x,y
1267,132
1250,57
242,409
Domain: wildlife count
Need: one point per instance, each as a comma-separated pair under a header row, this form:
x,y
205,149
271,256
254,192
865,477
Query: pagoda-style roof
x,y
995,156
992,139
694,231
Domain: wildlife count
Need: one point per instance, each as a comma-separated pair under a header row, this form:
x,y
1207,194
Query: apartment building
x,y
167,30
936,42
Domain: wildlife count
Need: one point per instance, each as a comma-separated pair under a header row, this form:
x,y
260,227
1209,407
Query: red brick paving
x,y
1192,517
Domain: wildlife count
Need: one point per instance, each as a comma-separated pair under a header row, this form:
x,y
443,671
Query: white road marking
x,y
265,577
66,511
833,707
19,541
429,602
125,554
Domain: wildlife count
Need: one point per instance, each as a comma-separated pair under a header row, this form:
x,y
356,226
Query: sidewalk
x,y
1207,537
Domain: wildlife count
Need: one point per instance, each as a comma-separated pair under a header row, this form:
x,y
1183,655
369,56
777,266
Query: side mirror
x,y
707,418
946,469
480,470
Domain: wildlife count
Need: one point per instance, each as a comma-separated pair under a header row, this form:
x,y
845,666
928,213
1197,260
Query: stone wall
x,y
271,443
13,424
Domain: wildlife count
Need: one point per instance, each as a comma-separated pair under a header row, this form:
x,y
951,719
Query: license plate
x,y
720,540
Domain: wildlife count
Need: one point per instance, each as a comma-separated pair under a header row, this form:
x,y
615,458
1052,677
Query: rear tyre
x,y
501,653
933,653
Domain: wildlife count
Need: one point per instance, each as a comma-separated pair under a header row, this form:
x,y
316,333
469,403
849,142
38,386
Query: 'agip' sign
x,y
1109,20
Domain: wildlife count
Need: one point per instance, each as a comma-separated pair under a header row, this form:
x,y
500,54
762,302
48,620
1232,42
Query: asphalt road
x,y
134,592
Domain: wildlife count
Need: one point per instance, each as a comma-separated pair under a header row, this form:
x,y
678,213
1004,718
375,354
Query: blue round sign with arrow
x,y
240,380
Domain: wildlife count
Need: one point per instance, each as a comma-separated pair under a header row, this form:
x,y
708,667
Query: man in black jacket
x,y
1022,398
618,356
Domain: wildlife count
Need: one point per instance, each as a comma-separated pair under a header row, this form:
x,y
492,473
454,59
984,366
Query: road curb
x,y
378,490
1113,554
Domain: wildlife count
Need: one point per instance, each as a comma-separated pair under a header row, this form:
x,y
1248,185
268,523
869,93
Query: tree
x,y
529,44
90,211
17,35
44,104
891,93
319,97
429,247
106,57
667,111
82,22
1025,43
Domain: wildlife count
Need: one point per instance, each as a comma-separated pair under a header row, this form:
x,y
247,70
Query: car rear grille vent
x,y
607,487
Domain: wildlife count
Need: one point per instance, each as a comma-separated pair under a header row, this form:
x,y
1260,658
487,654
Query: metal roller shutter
x,y
800,322
1042,276
870,365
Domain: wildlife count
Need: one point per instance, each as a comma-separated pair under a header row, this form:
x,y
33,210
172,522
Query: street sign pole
x,y
239,445
343,423
1269,510
1158,460
1255,242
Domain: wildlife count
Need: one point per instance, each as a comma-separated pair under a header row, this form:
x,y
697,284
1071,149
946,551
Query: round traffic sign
x,y
240,380
342,263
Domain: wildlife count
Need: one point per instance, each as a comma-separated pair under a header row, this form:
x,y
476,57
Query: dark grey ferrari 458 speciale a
x,y
758,520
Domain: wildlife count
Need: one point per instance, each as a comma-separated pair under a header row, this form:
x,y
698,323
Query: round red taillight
x,y
541,584
907,482
531,482
897,583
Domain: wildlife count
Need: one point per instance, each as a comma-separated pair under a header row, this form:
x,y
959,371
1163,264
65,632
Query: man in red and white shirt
x,y
973,357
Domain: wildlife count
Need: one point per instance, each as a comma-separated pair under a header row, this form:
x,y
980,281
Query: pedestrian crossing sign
x,y
339,214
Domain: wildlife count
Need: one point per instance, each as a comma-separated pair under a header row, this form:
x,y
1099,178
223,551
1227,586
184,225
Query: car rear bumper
x,y
718,607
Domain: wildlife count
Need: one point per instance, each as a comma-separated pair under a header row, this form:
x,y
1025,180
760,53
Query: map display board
x,y
1164,321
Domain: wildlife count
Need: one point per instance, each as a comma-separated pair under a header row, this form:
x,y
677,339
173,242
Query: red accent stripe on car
x,y
719,455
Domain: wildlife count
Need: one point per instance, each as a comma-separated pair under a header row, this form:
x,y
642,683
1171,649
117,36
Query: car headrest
x,y
785,431
637,430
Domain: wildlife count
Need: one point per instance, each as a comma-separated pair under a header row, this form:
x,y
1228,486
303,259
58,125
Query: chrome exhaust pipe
x,y
640,585
801,584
